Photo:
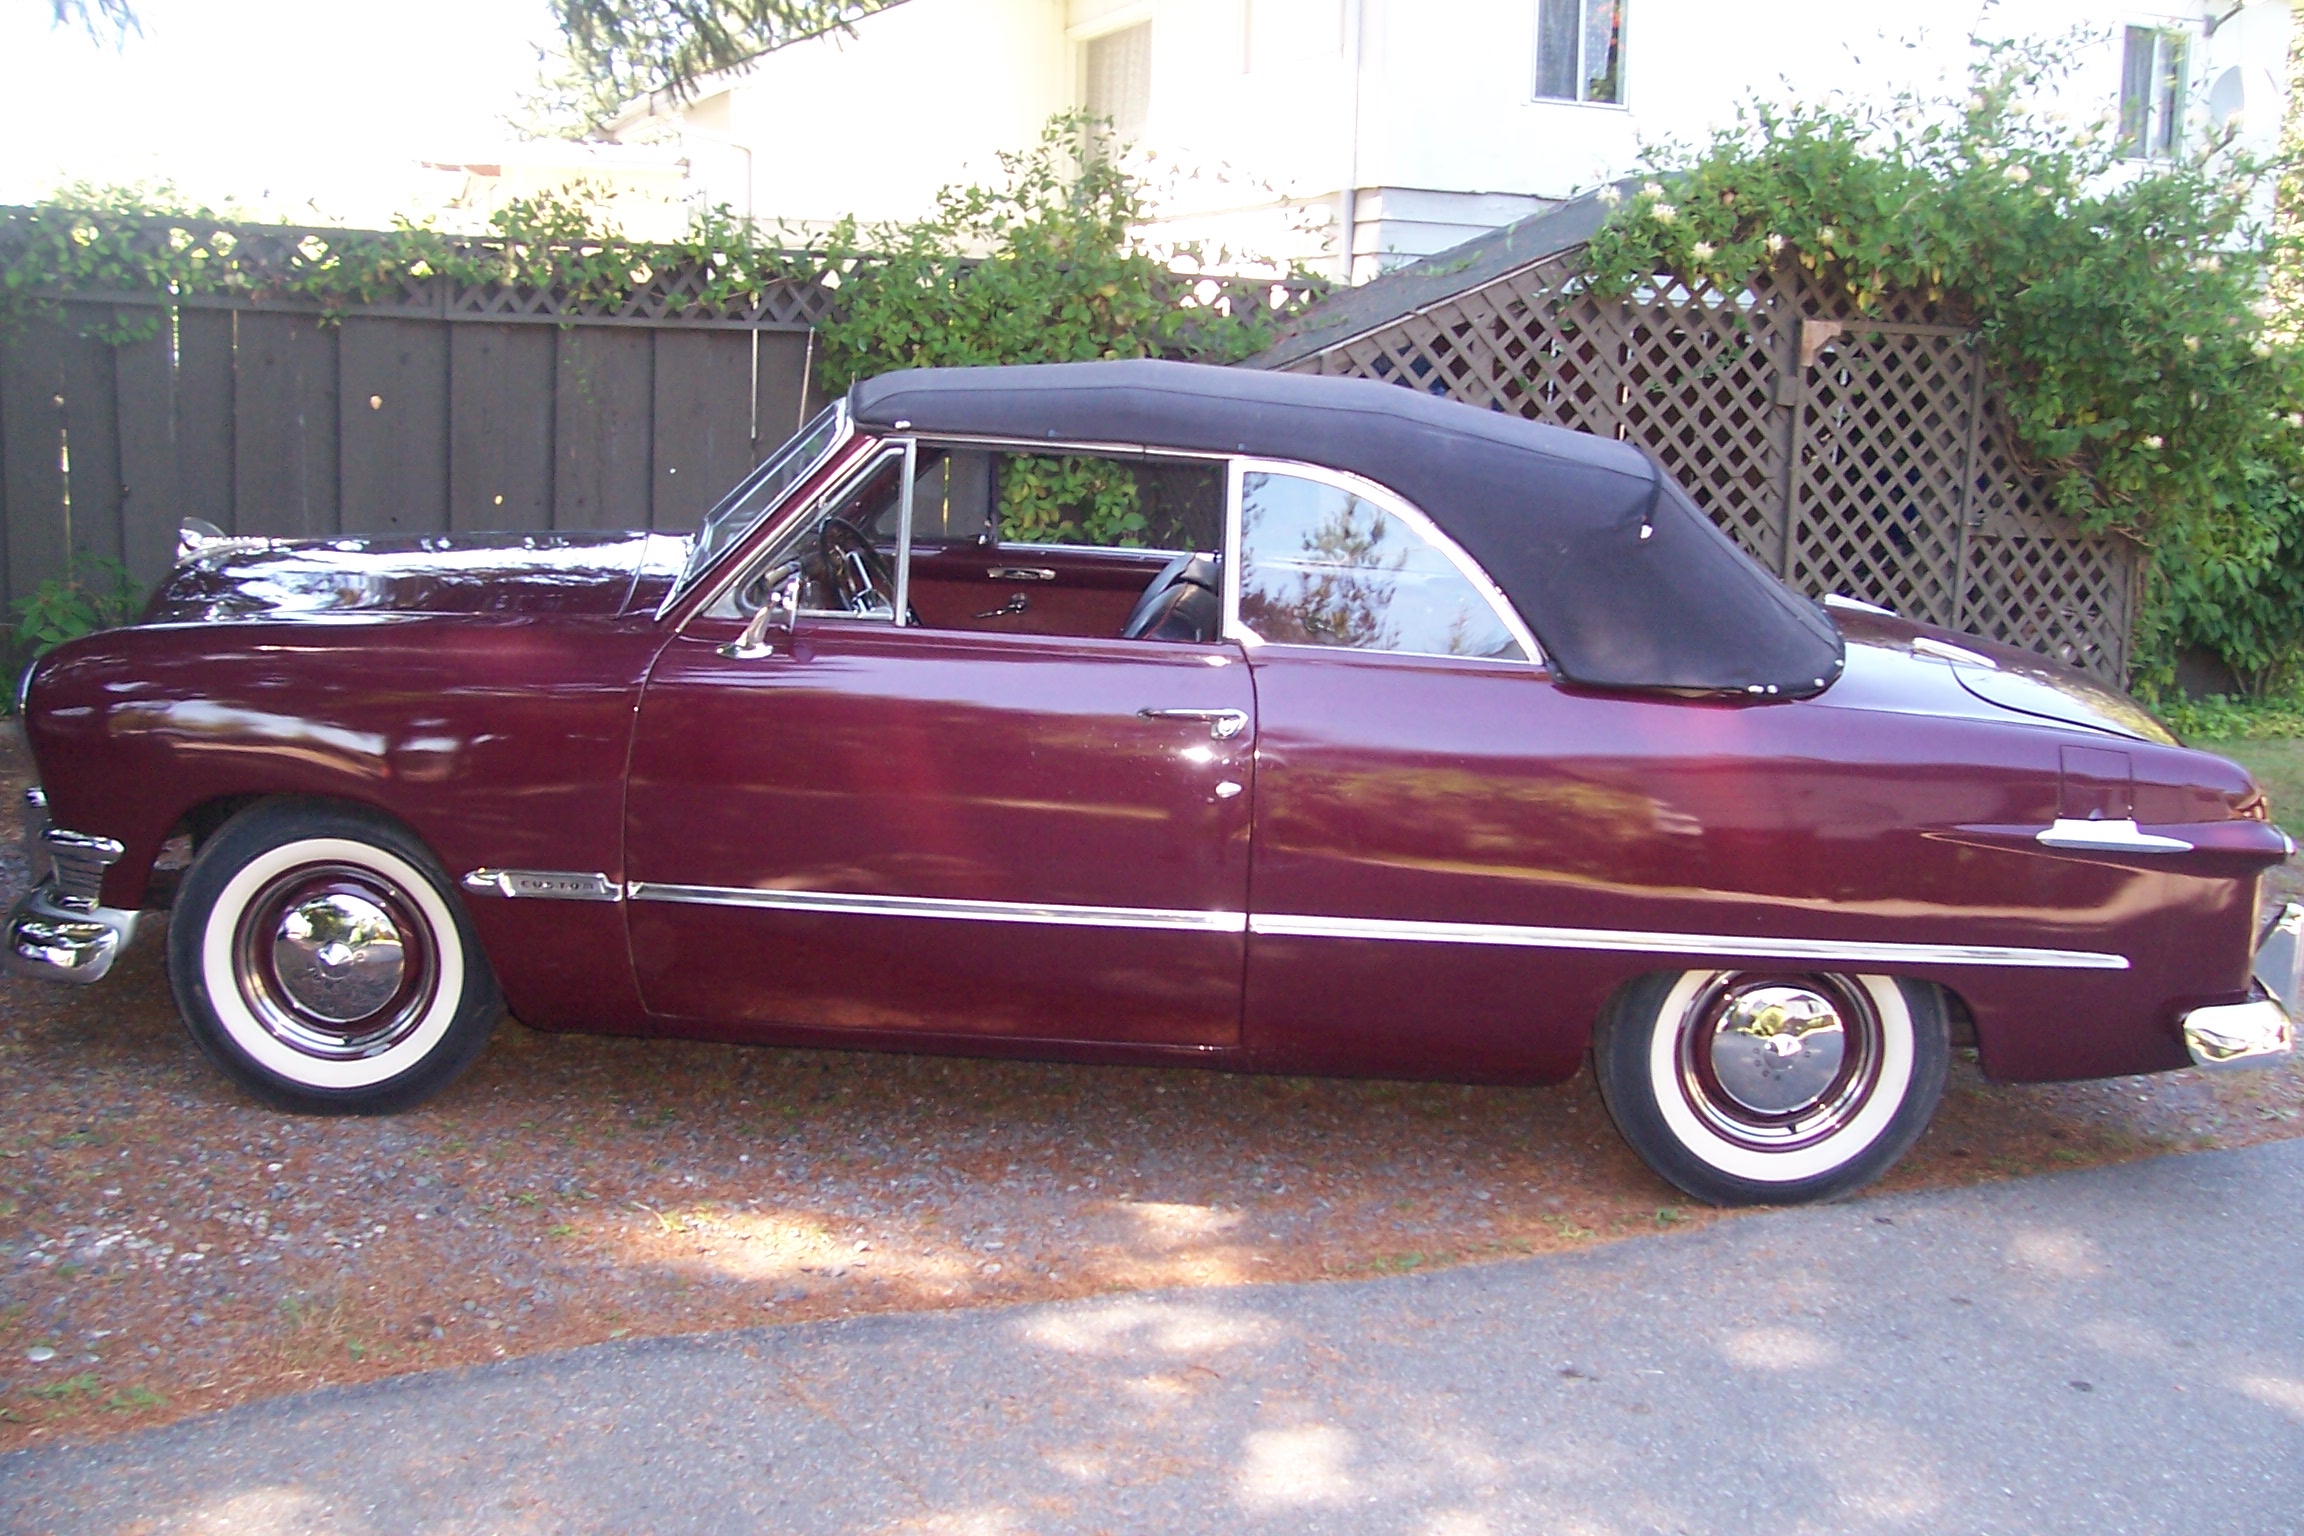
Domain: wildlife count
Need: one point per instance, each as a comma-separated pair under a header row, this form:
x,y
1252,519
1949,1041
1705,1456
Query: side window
x,y
835,548
1112,503
951,500
1321,566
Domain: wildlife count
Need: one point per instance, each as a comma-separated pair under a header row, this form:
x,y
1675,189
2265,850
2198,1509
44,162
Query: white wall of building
x,y
1262,113
872,122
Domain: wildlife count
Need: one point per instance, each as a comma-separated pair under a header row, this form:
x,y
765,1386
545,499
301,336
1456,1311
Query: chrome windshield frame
x,y
693,577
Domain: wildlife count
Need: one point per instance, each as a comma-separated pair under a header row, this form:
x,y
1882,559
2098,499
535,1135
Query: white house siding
x,y
1258,122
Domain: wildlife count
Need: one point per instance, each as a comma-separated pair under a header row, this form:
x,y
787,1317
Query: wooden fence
x,y
1859,455
270,418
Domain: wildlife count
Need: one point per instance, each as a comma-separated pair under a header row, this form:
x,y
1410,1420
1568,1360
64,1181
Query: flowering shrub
x,y
2118,304
1041,267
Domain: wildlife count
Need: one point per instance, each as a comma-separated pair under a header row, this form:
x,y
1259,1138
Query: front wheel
x,y
1751,1088
321,958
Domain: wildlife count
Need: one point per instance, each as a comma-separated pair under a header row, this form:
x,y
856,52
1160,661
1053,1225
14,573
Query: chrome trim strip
x,y
1944,650
76,863
845,432
548,884
1614,940
1045,447
1291,925
2122,836
1053,914
903,593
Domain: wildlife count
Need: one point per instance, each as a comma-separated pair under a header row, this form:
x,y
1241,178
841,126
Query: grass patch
x,y
2277,763
83,1385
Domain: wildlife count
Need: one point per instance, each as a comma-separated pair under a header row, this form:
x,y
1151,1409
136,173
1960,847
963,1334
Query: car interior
x,y
1095,546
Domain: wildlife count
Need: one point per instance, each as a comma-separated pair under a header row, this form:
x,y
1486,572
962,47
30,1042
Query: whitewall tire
x,y
322,959
1750,1087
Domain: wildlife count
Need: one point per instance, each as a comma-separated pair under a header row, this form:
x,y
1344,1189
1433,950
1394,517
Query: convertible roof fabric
x,y
1625,582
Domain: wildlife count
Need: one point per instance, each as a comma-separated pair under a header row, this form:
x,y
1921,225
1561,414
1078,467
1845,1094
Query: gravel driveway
x,y
168,1246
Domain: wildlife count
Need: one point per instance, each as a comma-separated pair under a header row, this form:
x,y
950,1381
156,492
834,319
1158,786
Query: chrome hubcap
x,y
339,956
1778,1062
1777,1050
334,961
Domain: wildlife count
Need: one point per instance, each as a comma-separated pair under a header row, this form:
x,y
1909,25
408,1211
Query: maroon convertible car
x,y
1153,713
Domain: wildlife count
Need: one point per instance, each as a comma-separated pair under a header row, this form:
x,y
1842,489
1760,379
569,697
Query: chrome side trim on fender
x,y
834,903
2122,836
1737,946
551,884
77,862
1289,925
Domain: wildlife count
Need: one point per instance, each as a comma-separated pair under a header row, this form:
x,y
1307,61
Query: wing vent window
x,y
1321,566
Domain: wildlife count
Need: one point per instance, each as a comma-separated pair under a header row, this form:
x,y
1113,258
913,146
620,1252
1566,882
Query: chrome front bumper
x,y
57,931
54,939
2261,1031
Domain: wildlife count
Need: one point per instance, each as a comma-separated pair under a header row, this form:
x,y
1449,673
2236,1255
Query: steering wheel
x,y
854,568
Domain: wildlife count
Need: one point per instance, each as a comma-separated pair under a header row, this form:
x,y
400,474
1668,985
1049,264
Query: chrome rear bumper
x,y
2261,1031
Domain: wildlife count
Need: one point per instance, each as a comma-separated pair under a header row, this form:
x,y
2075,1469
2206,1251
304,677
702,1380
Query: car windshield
x,y
741,509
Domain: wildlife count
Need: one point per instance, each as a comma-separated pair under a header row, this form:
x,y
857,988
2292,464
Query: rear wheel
x,y
322,959
1756,1087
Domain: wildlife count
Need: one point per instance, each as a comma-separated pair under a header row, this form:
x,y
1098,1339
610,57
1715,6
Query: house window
x,y
1580,50
2152,70
1120,79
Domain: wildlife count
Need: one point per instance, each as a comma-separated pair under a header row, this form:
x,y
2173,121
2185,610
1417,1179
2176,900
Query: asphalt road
x,y
2109,1351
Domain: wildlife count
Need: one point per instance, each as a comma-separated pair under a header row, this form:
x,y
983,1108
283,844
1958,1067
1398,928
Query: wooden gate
x,y
1862,456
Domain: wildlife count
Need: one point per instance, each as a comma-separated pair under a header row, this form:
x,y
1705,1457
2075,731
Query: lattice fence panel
x,y
2029,580
1884,431
1700,373
1882,472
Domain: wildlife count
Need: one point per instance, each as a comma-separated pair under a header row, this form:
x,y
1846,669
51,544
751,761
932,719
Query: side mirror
x,y
778,614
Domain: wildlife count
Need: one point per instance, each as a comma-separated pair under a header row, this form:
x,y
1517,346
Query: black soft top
x,y
1625,582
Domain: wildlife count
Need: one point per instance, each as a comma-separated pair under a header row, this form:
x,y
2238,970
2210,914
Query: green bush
x,y
1042,267
1070,501
2117,303
98,594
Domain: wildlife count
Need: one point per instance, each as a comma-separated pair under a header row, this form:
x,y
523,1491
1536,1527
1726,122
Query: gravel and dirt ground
x,y
169,1246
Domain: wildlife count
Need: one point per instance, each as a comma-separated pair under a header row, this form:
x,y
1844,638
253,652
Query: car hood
x,y
489,573
1896,664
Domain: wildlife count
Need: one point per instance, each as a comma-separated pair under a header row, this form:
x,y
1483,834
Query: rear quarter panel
x,y
1474,793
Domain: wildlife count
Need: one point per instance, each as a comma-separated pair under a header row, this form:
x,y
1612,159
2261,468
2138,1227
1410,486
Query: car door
x,y
1405,747
898,830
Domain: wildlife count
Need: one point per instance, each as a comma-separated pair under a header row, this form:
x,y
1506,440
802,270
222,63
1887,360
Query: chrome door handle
x,y
1020,573
1223,724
